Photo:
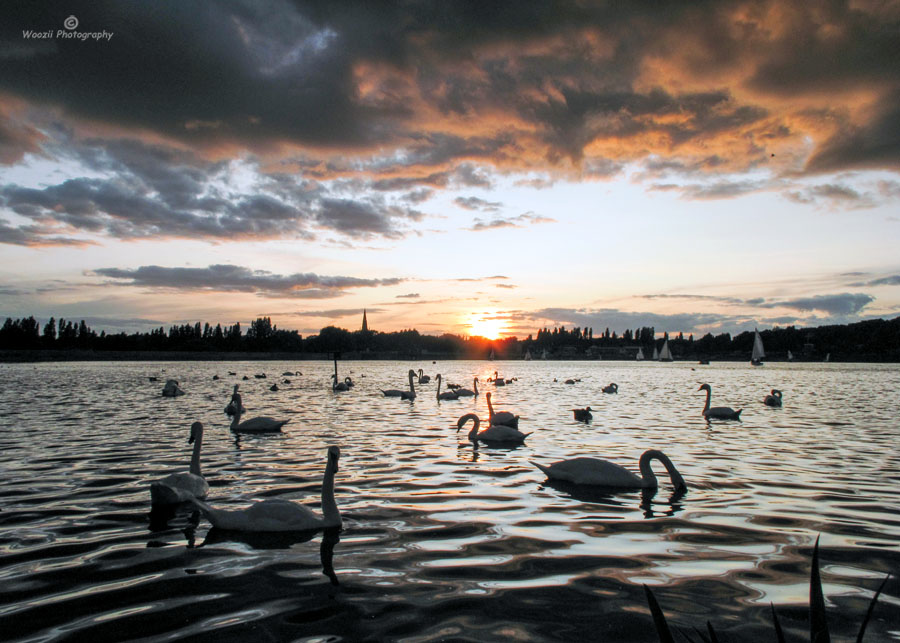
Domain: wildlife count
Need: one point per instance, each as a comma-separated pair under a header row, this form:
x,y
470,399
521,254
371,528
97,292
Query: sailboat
x,y
665,355
655,354
758,352
828,357
790,356
640,354
544,354
491,356
527,354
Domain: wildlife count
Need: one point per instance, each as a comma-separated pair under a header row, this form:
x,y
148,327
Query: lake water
x,y
442,541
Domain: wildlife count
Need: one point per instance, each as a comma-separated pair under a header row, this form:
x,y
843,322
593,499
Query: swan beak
x,y
191,439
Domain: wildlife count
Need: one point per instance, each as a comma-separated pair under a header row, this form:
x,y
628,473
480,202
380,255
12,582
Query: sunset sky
x,y
463,167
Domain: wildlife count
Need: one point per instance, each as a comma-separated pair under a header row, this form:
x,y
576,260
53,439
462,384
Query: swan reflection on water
x,y
281,540
620,498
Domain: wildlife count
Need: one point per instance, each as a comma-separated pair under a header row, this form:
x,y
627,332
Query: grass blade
x,y
779,634
659,619
862,628
818,624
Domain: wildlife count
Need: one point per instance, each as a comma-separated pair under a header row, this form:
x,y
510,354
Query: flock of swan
x,y
276,515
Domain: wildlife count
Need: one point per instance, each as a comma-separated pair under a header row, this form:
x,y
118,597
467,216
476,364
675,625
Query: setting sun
x,y
487,326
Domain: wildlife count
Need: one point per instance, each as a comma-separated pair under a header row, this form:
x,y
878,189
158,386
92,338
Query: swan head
x,y
196,432
705,387
461,422
334,454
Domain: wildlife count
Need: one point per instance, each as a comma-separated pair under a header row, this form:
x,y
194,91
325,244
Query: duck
x,y
464,392
274,387
594,471
403,395
501,417
612,388
256,425
423,379
582,415
495,434
773,399
277,515
181,487
171,389
447,395
718,412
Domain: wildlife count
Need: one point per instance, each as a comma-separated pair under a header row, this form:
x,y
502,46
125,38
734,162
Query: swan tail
x,y
546,470
737,414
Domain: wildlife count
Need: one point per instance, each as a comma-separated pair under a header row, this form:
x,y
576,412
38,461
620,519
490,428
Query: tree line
x,y
872,340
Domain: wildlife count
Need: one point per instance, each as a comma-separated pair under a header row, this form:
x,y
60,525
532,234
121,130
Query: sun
x,y
487,326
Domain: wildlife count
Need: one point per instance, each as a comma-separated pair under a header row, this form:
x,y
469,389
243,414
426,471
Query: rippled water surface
x,y
442,541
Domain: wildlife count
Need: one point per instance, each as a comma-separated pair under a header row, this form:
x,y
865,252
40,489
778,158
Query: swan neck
x,y
475,384
331,515
647,472
236,418
490,406
195,457
412,388
708,395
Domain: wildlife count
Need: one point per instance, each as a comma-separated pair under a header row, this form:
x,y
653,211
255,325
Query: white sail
x,y
527,354
828,357
655,353
665,355
640,354
491,356
544,354
790,356
758,352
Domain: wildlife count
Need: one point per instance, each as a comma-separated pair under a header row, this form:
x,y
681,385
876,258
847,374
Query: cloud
x,y
511,222
890,280
840,304
835,195
334,312
412,295
230,278
474,203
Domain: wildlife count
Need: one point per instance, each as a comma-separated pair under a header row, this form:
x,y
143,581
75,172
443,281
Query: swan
x,y
282,515
718,412
501,417
582,415
256,425
773,399
464,392
423,379
499,433
448,395
403,395
274,387
171,389
348,382
594,471
498,381
235,403
612,388
336,384
179,487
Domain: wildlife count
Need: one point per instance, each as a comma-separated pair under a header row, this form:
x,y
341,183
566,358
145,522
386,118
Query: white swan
x,y
423,379
612,388
464,392
448,395
499,433
594,471
256,425
282,515
773,399
179,487
403,395
236,405
718,412
171,389
498,381
501,417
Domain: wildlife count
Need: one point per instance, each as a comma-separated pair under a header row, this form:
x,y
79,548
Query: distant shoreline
x,y
76,355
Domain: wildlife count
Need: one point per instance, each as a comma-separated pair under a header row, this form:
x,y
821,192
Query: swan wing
x,y
281,515
501,433
178,487
592,471
392,393
262,424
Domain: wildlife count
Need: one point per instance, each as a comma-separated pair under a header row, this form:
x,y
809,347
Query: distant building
x,y
365,326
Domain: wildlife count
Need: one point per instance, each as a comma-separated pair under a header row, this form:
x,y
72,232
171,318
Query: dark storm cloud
x,y
230,278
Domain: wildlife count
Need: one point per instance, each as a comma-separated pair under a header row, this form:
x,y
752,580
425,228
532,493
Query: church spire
x,y
365,325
